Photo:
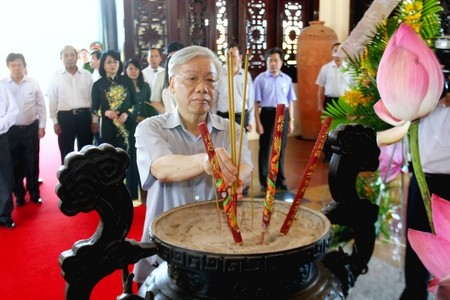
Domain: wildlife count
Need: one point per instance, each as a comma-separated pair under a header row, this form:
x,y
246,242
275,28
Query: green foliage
x,y
343,113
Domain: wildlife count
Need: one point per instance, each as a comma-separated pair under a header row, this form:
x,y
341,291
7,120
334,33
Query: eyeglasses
x,y
210,82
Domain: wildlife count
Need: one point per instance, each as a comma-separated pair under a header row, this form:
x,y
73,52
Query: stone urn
x,y
203,262
313,51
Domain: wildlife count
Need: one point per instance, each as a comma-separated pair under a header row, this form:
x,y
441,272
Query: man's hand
x,y
94,128
41,133
57,129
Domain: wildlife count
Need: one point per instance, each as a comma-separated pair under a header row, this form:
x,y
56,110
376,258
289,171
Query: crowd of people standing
x,y
111,102
95,98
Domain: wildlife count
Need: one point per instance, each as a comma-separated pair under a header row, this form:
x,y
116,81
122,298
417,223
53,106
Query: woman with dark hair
x,y
113,101
142,110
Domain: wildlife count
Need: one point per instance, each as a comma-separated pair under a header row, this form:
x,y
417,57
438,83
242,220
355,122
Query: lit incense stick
x,y
317,149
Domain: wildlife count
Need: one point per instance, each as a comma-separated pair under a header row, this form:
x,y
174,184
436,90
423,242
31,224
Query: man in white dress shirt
x,y
333,80
8,114
29,128
222,107
69,95
154,59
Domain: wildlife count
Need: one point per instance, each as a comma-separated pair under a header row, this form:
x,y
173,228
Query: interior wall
x,y
336,14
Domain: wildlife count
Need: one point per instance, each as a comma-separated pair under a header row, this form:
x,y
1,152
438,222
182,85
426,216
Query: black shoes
x,y
10,224
282,187
20,202
37,200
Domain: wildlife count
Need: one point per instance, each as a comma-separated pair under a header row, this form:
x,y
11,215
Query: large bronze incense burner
x,y
92,180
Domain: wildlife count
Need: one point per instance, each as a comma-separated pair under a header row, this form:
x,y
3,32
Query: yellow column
x,y
336,14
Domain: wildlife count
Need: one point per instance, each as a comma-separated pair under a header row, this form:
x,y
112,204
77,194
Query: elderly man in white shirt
x,y
172,159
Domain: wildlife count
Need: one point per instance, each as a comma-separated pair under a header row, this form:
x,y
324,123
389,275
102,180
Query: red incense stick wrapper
x,y
317,150
228,206
273,165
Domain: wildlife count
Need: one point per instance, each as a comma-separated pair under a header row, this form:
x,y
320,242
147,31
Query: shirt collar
x,y
240,71
343,65
212,121
268,74
11,80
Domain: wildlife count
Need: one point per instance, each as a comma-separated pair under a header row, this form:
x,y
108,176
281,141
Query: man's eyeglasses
x,y
210,82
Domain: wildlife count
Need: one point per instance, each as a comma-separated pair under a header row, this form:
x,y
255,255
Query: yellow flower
x,y
355,98
116,95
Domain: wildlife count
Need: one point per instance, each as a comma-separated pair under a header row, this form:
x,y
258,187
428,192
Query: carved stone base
x,y
322,284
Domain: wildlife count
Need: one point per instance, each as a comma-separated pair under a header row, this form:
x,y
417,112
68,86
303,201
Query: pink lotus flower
x,y
409,79
434,250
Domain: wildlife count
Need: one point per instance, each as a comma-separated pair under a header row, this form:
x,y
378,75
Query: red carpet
x,y
29,253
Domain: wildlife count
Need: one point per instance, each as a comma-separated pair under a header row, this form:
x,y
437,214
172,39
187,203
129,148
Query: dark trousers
x,y
6,180
110,134
24,145
237,117
416,275
267,117
75,125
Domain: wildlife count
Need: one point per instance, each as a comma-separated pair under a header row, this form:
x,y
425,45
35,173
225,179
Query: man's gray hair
x,y
186,54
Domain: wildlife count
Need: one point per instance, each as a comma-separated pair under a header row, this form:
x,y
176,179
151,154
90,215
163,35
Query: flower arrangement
x,y
116,95
397,66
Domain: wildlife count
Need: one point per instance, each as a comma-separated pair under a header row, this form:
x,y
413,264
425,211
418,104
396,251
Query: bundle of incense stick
x,y
273,168
310,167
244,100
228,206
231,117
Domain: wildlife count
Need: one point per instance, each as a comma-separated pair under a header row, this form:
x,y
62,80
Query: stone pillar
x,y
313,51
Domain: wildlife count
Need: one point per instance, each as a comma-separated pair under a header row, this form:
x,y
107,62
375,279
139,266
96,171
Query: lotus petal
x,y
384,114
392,135
433,251
441,217
409,76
